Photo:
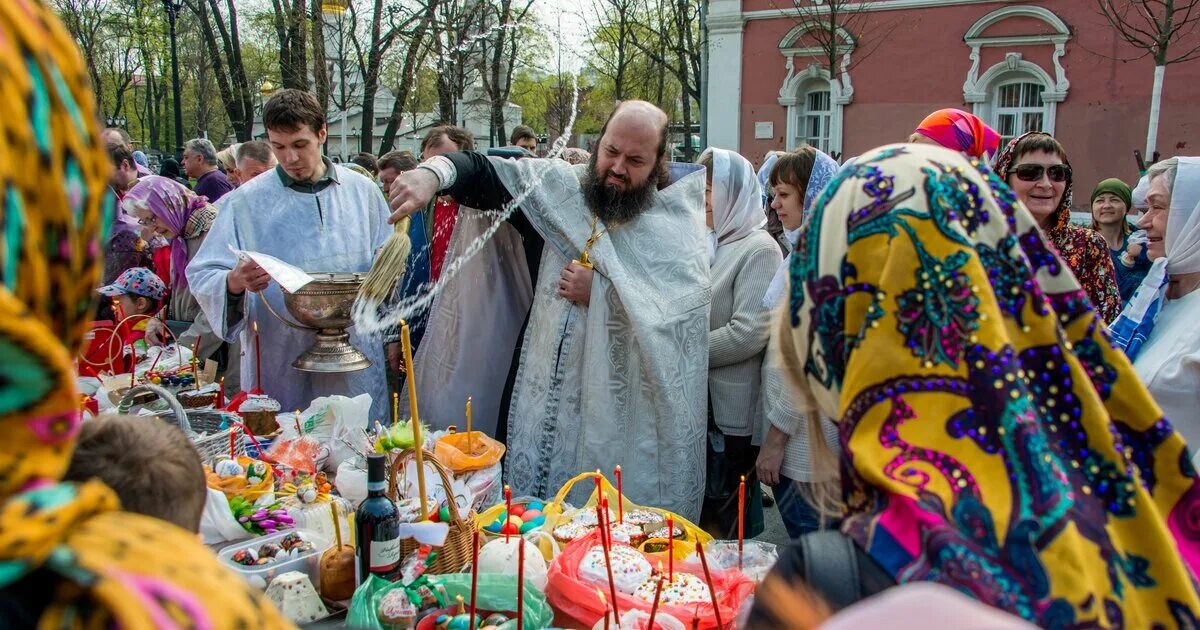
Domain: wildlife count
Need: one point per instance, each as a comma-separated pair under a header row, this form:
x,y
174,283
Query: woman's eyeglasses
x,y
1034,172
148,221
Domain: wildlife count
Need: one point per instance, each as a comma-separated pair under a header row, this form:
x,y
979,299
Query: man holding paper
x,y
309,213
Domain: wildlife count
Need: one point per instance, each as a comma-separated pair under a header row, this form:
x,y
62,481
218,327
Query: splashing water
x,y
373,317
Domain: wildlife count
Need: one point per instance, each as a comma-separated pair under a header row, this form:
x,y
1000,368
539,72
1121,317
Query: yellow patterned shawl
x,y
113,569
992,439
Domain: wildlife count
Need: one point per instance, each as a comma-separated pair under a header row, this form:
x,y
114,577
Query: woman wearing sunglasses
x,y
1035,166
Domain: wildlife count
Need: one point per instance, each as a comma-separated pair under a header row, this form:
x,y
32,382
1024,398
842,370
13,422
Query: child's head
x,y
151,465
138,290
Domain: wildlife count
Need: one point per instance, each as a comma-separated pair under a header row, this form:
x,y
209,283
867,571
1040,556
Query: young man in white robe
x,y
616,374
309,213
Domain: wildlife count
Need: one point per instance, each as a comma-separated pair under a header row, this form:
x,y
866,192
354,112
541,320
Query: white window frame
x,y
799,83
982,89
823,139
1019,111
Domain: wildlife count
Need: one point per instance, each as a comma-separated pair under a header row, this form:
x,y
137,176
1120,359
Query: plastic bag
x,y
217,524
757,557
558,507
636,619
498,593
351,479
452,450
577,599
485,485
347,438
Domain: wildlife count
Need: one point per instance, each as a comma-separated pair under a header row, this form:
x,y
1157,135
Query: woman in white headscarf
x,y
742,259
785,459
1159,327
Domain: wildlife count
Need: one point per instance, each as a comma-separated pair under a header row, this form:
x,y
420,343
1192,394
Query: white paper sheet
x,y
290,277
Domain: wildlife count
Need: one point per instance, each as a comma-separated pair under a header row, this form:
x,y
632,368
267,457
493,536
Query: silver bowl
x,y
324,306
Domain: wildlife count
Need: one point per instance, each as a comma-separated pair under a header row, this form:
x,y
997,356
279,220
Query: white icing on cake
x,y
685,588
630,568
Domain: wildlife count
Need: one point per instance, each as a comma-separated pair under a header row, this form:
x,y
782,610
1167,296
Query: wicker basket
x,y
202,426
456,552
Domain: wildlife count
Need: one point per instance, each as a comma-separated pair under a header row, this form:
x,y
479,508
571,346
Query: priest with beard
x,y
617,374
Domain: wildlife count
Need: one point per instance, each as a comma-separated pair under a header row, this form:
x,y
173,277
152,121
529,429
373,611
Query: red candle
x,y
507,511
221,394
474,572
132,365
657,594
604,544
520,585
671,550
741,517
708,578
257,360
620,497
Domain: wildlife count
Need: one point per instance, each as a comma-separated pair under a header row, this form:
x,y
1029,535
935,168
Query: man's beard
x,y
612,204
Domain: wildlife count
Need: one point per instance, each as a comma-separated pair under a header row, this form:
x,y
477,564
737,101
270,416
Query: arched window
x,y
1016,95
814,117
1017,107
814,98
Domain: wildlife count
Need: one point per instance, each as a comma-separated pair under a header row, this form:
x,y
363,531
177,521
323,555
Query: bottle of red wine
x,y
377,525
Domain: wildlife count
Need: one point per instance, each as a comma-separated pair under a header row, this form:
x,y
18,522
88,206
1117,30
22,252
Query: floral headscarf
x,y
186,213
107,568
960,131
1084,250
992,439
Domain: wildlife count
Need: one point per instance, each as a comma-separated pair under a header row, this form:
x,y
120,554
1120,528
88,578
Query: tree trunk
x,y
408,80
319,71
1155,109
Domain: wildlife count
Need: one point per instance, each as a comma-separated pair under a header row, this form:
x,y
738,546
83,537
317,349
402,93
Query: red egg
x,y
510,528
517,510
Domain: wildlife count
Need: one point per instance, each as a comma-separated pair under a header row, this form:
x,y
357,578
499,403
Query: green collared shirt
x,y
330,177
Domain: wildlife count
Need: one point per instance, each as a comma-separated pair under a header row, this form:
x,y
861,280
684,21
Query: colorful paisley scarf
x,y
187,214
992,439
110,568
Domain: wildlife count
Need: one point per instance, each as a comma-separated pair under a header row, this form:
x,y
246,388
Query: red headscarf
x,y
960,131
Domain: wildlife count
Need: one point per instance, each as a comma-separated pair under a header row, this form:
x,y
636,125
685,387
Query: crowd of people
x,y
936,372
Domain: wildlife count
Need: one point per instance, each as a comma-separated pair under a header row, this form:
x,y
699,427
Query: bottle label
x,y
385,555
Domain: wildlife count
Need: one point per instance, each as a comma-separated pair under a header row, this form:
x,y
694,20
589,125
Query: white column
x,y
725,25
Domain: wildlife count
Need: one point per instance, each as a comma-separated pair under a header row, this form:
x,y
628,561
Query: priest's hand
x,y
770,456
247,275
575,284
411,191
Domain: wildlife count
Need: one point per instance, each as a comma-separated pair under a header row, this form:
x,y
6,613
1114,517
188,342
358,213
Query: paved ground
x,y
774,532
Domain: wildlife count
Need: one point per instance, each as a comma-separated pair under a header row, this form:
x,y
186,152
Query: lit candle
x,y
395,408
708,578
520,584
474,573
620,496
507,511
605,545
257,360
657,595
411,378
221,394
741,517
132,366
670,550
604,606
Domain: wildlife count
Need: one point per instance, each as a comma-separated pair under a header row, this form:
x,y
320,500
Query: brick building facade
x,y
1052,65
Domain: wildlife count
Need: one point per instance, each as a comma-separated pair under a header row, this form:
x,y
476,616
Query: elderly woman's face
x,y
1041,195
152,223
1155,220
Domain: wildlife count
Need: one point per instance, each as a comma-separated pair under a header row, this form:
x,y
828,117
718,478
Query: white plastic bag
x,y
351,479
347,438
485,486
217,524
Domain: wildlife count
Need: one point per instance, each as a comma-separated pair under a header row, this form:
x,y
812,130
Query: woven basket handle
x,y
447,486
